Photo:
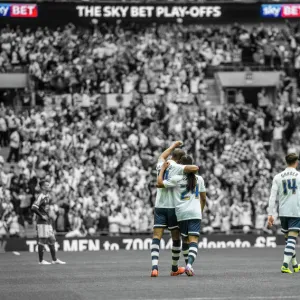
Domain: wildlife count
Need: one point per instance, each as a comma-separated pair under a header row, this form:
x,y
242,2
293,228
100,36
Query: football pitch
x,y
220,275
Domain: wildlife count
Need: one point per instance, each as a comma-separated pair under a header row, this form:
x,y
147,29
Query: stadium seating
x,y
99,150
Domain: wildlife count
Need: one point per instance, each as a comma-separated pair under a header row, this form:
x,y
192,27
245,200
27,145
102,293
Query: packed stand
x,y
101,160
121,58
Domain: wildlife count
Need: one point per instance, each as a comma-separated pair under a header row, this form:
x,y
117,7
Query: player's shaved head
x,y
186,160
177,154
291,159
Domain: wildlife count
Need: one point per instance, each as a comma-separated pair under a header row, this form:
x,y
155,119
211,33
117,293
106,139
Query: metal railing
x,y
210,69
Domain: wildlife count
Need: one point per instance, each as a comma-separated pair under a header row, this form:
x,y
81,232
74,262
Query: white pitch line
x,y
245,298
275,297
233,298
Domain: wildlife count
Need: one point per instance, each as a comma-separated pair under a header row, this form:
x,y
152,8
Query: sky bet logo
x,y
18,10
280,10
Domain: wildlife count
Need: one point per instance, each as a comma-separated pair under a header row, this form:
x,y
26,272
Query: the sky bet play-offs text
x,y
108,11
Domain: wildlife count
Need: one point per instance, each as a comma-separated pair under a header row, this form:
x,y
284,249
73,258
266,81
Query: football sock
x,y
155,253
53,252
193,251
41,252
176,249
185,251
289,250
294,258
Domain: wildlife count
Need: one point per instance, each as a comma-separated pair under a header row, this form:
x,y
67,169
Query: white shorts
x,y
44,231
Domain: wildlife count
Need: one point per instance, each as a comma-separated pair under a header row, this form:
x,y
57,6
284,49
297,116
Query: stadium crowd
x,y
122,57
100,159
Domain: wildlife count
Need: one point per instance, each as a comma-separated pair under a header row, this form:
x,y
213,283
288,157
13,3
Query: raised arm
x,y
168,151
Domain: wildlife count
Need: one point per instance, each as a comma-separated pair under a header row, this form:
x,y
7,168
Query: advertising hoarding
x,y
56,14
128,243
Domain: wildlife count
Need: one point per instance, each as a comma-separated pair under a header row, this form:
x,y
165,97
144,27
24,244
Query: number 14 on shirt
x,y
289,184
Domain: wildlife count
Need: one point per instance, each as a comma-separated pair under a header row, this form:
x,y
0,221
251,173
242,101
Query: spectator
x,y
77,227
3,132
236,212
125,223
14,145
114,221
144,223
13,224
225,216
100,157
261,218
60,223
3,229
278,137
25,203
90,223
103,222
262,99
246,217
240,98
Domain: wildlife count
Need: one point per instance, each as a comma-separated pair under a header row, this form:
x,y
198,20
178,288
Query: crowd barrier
x,y
54,14
110,243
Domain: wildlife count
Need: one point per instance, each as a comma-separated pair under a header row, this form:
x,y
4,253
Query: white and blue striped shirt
x,y
286,185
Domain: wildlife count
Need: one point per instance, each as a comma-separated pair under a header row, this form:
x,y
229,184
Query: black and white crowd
x,y
101,159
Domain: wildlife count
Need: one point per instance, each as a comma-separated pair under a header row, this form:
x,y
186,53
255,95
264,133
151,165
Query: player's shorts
x,y
165,218
45,231
190,227
290,224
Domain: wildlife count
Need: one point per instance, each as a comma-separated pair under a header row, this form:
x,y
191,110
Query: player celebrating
x,y
164,213
287,184
44,228
188,208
